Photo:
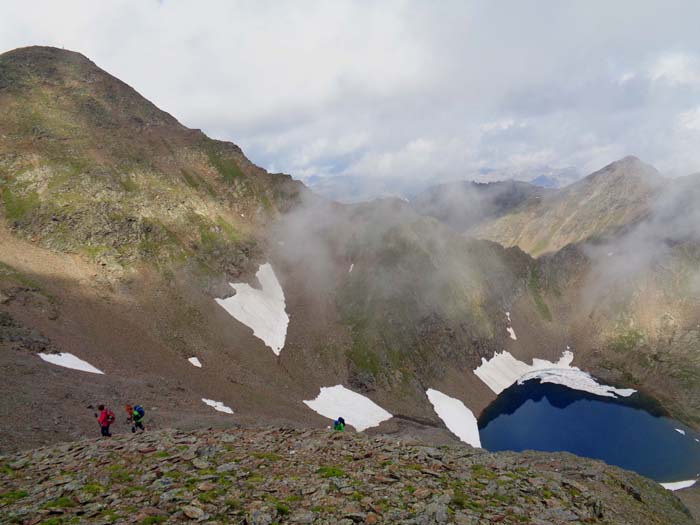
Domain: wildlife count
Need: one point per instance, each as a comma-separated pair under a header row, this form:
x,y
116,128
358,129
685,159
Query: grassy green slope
x,y
88,165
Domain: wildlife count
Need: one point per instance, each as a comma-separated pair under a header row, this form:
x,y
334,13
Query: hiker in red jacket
x,y
105,419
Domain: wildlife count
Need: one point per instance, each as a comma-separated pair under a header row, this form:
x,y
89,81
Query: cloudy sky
x,y
405,90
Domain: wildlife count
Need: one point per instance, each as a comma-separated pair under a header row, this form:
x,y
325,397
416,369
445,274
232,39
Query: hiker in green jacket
x,y
137,418
339,424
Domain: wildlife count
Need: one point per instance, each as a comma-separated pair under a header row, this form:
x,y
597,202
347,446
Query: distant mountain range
x,y
357,188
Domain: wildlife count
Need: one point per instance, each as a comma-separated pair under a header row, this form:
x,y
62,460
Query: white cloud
x,y
501,125
626,77
401,88
690,120
679,69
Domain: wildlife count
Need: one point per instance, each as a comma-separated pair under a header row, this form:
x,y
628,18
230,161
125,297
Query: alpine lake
x,y
632,433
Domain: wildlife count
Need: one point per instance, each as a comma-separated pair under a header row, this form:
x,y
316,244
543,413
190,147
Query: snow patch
x,y
67,360
357,410
217,405
195,362
261,310
678,485
352,265
504,370
680,431
456,416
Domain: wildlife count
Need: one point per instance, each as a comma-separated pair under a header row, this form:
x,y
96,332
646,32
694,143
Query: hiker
x,y
137,419
129,414
105,419
339,424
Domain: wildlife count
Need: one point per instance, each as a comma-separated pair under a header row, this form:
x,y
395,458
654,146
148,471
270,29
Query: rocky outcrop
x,y
292,476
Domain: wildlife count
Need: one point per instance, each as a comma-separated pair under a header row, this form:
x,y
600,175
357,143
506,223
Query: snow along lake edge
x,y
503,370
679,485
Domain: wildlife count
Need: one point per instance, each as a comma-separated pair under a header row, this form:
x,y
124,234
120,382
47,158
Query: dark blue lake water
x,y
630,432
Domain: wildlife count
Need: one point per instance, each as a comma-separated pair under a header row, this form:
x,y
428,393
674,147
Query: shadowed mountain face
x,y
120,227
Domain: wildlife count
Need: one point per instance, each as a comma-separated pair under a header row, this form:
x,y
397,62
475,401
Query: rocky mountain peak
x,y
629,167
43,58
55,75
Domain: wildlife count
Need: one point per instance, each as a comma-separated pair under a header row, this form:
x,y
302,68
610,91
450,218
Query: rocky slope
x,y
288,476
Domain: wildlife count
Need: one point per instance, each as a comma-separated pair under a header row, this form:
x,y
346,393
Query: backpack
x,y
139,412
110,417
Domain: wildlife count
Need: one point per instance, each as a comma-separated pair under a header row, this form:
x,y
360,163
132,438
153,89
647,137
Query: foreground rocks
x,y
291,476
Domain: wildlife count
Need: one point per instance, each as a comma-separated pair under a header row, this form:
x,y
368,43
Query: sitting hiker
x,y
105,419
137,418
339,424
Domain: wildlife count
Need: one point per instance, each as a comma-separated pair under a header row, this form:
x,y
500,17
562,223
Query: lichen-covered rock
x,y
292,476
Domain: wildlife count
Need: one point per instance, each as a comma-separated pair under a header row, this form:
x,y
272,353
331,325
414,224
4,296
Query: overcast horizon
x,y
403,93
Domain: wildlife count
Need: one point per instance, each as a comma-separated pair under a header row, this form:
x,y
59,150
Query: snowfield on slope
x,y
358,411
678,485
195,362
217,405
67,360
262,310
457,417
504,370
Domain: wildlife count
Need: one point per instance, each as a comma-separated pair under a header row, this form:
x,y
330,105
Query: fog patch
x,y
673,222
